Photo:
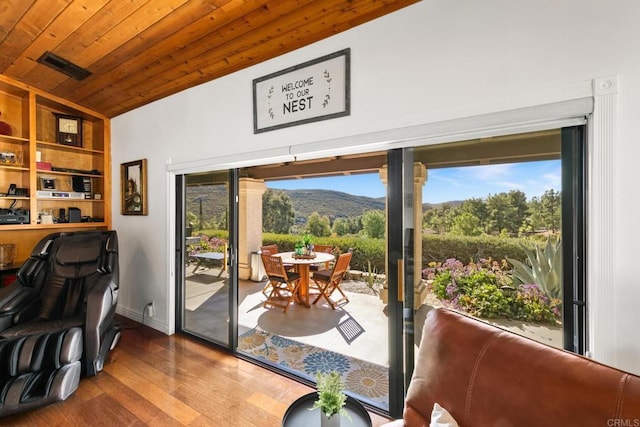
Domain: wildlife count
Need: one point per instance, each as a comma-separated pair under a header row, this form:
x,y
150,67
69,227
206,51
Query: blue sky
x,y
533,178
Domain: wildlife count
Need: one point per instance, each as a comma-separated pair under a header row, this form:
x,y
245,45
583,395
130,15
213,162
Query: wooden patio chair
x,y
327,249
283,284
328,281
270,250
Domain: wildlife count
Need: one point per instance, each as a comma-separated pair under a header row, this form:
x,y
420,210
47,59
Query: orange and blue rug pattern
x,y
368,381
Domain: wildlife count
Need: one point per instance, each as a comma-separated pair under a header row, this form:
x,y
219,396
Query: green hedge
x,y
365,249
435,247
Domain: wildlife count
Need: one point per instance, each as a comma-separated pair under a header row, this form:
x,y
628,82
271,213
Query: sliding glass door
x,y
206,291
379,206
497,232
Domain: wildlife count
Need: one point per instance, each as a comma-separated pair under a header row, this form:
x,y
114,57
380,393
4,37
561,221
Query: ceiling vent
x,y
64,66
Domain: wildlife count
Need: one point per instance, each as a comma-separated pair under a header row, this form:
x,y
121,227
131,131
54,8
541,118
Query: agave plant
x,y
545,268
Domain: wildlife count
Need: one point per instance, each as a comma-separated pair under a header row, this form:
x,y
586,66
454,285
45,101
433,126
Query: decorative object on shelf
x,y
82,184
46,183
7,254
13,190
331,399
68,130
43,166
133,184
46,218
11,157
5,128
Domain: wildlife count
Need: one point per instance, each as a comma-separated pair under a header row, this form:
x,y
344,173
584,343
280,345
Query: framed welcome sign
x,y
312,91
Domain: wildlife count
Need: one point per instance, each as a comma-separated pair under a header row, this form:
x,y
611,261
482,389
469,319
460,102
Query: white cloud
x,y
488,173
513,185
434,175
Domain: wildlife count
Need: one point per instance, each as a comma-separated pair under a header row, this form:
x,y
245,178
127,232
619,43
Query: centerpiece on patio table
x,y
331,399
304,247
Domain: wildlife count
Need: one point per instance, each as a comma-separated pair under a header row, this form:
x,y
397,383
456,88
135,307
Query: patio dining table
x,y
302,267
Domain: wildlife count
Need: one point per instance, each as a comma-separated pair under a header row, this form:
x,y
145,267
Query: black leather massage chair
x,y
57,318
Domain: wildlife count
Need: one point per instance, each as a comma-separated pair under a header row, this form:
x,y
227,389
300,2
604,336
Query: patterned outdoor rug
x,y
368,380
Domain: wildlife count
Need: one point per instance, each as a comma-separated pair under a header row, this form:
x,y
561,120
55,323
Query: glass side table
x,y
300,415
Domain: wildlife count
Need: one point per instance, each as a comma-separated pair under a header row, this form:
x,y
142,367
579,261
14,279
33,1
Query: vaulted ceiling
x,y
138,51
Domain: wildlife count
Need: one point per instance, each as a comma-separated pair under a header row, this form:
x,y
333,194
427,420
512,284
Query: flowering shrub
x,y
484,289
530,303
207,244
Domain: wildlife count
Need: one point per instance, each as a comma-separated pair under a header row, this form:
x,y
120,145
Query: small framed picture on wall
x,y
133,183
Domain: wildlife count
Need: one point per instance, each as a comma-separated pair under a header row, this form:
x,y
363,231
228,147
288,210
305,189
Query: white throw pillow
x,y
440,417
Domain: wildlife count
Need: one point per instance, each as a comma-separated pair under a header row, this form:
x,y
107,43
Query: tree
x,y
341,227
350,225
223,220
546,211
478,208
466,224
518,201
318,225
501,214
192,221
374,224
277,212
440,219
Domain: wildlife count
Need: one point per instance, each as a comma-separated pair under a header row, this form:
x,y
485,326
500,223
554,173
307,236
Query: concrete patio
x,y
356,329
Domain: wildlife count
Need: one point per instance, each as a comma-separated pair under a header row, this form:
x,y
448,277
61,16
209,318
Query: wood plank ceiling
x,y
139,51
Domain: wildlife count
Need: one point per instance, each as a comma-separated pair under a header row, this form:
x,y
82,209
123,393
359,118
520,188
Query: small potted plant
x,y
307,240
331,399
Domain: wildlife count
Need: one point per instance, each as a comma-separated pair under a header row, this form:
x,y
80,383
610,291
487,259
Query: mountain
x,y
334,204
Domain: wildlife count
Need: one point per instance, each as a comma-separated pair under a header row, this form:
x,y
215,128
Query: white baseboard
x,y
136,315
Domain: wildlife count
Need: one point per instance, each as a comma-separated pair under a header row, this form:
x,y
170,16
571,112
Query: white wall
x,y
433,61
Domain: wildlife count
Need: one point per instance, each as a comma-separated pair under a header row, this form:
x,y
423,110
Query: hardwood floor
x,y
158,380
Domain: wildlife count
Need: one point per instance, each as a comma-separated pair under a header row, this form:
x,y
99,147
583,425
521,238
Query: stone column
x,y
250,223
384,292
419,288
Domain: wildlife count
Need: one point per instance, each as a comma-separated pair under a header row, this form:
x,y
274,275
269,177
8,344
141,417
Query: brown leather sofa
x,y
486,376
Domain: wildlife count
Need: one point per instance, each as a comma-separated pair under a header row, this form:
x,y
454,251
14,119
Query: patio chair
x,y
270,250
283,284
327,249
328,281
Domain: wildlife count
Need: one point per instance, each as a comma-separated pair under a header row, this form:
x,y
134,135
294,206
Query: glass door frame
x,y
400,265
400,275
574,171
232,265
